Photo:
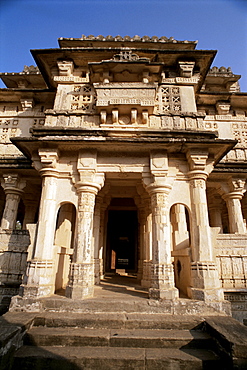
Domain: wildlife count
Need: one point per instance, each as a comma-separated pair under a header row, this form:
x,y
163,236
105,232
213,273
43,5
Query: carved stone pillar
x,y
103,234
162,274
81,279
142,217
147,253
215,210
204,275
96,239
40,277
233,198
13,187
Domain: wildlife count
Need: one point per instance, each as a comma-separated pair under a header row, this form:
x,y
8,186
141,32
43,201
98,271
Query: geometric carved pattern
x,y
168,99
240,133
8,129
83,98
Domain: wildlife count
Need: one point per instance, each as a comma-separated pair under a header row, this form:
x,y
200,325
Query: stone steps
x,y
142,338
121,340
117,341
107,358
120,320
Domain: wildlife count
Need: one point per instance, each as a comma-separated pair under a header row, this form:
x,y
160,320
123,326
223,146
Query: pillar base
x,y
81,281
162,282
206,295
140,270
168,294
96,271
205,282
39,280
146,275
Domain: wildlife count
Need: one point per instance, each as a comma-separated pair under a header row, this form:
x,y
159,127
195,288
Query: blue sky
x,y
37,24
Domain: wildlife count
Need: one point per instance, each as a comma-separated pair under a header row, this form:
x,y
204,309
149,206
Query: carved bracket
x,y
197,159
65,67
48,157
186,68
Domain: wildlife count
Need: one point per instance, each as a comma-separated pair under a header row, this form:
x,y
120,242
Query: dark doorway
x,y
122,241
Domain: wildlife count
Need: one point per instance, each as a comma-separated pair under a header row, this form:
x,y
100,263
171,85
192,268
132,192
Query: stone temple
x,y
129,156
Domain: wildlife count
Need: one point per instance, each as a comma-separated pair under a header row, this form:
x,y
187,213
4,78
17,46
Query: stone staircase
x,y
119,329
117,341
120,340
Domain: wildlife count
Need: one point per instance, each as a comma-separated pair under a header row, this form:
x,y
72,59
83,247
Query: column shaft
x,y
13,187
40,279
162,280
10,211
81,279
204,274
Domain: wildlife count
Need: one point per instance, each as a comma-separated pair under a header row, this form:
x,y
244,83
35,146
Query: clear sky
x,y
37,24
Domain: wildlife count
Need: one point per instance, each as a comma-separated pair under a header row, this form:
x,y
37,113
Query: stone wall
x,y
13,262
231,257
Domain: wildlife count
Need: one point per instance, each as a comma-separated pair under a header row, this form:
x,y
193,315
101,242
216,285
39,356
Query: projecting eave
x,y
236,99
46,59
141,141
14,95
27,80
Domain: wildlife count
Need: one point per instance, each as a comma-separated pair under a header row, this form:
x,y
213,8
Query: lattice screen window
x,y
83,98
168,99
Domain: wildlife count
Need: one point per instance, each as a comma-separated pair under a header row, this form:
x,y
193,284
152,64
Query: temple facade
x,y
124,155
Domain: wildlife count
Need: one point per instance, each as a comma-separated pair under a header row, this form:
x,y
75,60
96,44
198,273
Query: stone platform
x,y
117,293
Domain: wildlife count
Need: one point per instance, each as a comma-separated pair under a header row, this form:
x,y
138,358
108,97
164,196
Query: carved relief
x,y
125,93
198,184
128,55
9,128
86,202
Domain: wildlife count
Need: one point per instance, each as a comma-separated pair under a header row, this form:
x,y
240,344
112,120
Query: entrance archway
x,y
64,239
122,237
121,253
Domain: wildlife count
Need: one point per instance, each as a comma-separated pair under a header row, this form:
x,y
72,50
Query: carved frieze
x,y
125,93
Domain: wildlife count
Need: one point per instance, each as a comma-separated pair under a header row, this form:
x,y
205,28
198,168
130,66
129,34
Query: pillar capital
x,y
233,188
156,187
198,175
233,195
13,184
87,186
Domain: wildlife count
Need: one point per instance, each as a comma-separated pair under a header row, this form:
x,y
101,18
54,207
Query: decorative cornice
x,y
136,38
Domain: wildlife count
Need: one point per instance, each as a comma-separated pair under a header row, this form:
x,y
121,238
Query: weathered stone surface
x,y
231,335
79,342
